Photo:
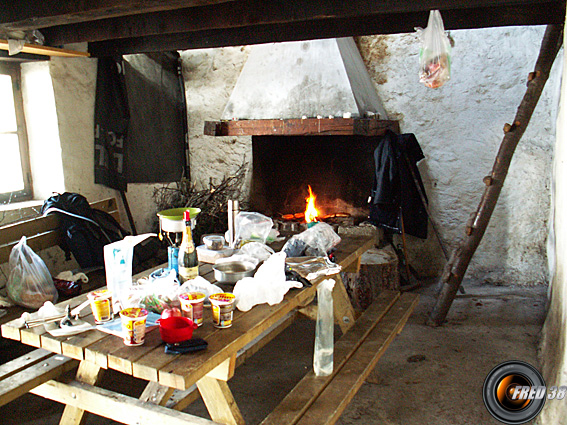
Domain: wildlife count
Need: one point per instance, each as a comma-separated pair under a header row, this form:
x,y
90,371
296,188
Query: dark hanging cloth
x,y
157,129
111,124
140,120
395,192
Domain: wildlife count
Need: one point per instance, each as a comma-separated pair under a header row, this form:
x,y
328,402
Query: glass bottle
x,y
187,261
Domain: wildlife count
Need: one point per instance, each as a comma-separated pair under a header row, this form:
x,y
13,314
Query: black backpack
x,y
85,230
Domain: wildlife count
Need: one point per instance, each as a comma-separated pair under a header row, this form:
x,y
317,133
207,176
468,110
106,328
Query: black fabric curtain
x,y
144,108
111,124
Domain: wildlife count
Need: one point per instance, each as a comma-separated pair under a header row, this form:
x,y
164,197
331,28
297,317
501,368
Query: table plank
x,y
184,371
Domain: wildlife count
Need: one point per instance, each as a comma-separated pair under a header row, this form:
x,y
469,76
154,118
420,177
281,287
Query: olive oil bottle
x,y
187,260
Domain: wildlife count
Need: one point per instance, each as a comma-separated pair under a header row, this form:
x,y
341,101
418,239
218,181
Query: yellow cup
x,y
101,305
133,325
192,306
222,305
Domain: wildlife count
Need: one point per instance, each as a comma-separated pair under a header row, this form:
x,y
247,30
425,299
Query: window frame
x,y
13,69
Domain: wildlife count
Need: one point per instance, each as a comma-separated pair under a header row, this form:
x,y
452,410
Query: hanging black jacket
x,y
395,192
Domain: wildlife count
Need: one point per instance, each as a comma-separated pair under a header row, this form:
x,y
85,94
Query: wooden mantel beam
x,y
302,127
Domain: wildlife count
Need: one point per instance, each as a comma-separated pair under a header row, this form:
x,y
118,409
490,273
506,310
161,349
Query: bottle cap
x,y
186,215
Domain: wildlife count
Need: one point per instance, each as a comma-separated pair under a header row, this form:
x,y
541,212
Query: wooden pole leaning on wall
x,y
457,265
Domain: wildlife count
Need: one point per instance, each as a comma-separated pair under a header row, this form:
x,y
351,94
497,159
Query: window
x,y
15,176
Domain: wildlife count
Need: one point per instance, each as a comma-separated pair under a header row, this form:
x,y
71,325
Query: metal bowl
x,y
233,271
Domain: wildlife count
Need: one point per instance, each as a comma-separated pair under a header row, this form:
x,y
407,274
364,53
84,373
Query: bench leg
x,y
88,373
219,401
344,313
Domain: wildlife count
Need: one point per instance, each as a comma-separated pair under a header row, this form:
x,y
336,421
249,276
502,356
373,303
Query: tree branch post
x,y
458,263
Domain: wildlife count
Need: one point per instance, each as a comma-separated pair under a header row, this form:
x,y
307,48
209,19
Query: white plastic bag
x,y
315,241
199,284
251,226
268,285
30,284
435,52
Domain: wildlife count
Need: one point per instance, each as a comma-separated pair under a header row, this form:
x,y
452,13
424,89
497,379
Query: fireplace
x,y
315,119
339,169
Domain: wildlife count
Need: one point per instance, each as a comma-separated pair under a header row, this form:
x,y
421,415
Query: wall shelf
x,y
37,49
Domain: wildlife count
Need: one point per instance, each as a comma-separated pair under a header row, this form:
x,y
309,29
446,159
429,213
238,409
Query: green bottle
x,y
187,260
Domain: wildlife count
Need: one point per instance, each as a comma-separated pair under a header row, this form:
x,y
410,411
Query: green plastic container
x,y
172,220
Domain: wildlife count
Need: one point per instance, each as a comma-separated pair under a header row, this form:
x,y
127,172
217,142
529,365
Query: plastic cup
x,y
101,305
192,306
222,305
134,325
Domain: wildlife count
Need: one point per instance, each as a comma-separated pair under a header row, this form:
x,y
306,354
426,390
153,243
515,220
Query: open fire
x,y
311,212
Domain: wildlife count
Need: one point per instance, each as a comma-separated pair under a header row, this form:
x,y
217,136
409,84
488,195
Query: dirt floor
x,y
427,376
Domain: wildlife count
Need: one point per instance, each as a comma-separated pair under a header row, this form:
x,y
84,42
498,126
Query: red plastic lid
x,y
186,215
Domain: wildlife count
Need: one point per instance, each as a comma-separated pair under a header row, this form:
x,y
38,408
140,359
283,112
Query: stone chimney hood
x,y
303,88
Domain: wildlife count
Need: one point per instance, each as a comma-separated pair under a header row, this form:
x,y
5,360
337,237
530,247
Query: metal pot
x,y
233,271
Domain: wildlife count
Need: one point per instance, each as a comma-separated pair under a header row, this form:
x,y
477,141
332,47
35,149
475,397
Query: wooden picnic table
x,y
172,379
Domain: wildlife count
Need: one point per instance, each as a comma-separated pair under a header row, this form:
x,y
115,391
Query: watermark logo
x,y
514,392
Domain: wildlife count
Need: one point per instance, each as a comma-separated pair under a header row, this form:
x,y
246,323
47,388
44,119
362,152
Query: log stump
x,y
378,271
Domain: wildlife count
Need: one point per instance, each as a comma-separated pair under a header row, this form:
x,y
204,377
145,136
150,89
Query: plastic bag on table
x,y
200,284
29,284
315,241
156,292
251,226
435,52
257,250
269,284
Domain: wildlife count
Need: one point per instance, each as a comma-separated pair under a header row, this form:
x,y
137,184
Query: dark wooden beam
x,y
302,127
550,12
32,14
239,14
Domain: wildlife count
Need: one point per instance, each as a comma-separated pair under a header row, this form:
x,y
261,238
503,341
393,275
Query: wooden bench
x,y
43,232
26,372
321,400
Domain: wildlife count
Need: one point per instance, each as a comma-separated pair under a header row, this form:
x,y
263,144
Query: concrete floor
x,y
427,376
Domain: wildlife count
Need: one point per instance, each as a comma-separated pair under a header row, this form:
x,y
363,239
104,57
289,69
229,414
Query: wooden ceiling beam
x,y
248,13
32,14
547,13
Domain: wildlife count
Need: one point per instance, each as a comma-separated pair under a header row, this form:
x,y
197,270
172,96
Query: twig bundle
x,y
212,201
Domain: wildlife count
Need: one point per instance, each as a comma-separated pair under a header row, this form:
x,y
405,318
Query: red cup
x,y
176,329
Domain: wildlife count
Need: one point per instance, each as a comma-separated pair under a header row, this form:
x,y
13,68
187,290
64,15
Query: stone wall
x,y
459,127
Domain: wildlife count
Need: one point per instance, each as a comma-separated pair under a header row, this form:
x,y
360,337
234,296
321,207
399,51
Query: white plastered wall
x,y
553,353
459,127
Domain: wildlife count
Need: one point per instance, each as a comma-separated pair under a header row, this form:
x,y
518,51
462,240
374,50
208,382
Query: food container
x,y
214,242
176,329
101,305
233,271
192,306
172,220
134,325
222,305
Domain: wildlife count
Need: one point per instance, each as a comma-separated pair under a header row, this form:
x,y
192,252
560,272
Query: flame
x,y
311,212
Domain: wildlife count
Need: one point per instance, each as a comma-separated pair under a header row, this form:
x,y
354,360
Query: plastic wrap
x,y
435,52
29,284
